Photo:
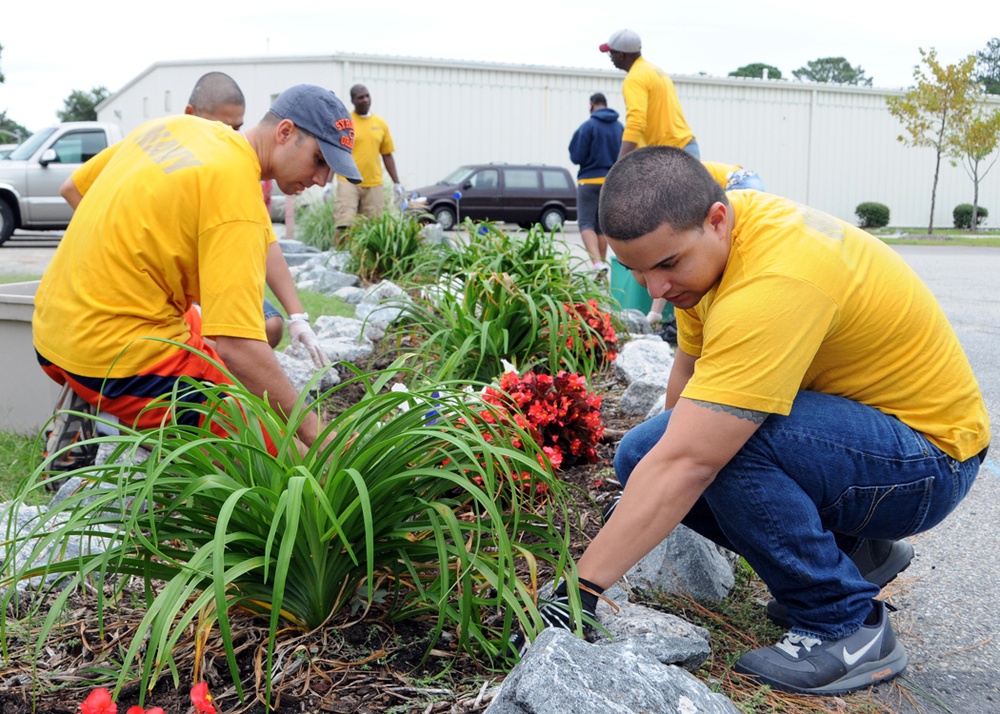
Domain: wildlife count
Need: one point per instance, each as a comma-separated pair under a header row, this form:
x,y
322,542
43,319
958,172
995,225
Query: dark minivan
x,y
524,194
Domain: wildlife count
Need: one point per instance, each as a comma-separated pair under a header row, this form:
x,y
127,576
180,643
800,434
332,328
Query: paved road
x,y
949,598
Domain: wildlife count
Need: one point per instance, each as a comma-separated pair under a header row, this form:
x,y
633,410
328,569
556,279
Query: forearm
x,y
279,279
659,494
627,146
390,167
253,363
680,374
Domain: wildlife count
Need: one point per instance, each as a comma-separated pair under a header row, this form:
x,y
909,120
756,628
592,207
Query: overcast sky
x,y
54,47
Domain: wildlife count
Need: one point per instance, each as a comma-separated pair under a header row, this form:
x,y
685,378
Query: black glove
x,y
555,611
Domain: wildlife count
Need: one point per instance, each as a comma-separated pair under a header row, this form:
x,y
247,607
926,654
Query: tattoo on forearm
x,y
748,414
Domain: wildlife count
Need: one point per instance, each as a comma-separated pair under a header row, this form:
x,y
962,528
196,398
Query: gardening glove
x,y
303,337
555,612
397,191
653,317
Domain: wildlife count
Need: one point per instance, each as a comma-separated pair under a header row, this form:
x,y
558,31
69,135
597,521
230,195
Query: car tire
x,y
7,223
552,218
445,216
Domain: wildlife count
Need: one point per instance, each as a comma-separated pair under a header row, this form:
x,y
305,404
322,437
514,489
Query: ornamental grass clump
x,y
385,247
466,330
563,418
390,500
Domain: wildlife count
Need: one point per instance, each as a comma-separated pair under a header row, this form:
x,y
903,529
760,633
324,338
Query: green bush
x,y
872,215
384,247
314,222
963,215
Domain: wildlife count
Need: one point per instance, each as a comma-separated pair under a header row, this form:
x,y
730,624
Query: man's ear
x,y
284,131
189,110
717,219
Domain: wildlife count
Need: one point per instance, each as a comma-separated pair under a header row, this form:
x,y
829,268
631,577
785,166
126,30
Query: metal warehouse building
x,y
831,147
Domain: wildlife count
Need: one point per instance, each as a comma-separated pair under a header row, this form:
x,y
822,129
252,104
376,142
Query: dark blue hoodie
x,y
596,143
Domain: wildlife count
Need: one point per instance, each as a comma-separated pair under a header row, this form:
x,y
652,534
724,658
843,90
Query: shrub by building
x,y
872,215
963,215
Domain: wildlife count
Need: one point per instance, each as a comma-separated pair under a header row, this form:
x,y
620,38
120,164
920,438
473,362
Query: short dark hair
x,y
214,90
355,89
655,186
598,98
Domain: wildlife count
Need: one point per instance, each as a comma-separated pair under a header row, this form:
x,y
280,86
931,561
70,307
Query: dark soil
x,y
355,664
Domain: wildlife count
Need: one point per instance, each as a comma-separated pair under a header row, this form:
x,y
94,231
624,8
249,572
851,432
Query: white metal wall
x,y
829,147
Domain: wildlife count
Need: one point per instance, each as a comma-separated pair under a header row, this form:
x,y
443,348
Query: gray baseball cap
x,y
623,41
319,112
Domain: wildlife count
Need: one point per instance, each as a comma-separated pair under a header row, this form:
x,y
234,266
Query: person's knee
x,y
275,329
636,443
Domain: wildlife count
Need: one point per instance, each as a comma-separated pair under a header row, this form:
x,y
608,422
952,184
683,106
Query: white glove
x,y
397,190
653,317
303,337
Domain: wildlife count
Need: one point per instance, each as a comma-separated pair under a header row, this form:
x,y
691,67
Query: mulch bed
x,y
360,662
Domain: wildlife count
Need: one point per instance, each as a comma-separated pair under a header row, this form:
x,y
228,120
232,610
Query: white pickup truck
x,y
31,175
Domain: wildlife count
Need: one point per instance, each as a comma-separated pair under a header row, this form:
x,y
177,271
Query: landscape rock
x,y
561,673
668,638
685,563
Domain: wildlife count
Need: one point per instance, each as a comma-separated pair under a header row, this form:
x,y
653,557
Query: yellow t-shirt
x,y
371,141
653,115
719,172
809,302
175,217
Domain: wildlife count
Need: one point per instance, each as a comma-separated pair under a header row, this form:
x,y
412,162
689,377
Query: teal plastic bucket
x,y
624,289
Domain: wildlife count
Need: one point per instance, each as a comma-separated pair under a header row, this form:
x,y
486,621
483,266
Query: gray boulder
x,y
685,563
561,673
667,638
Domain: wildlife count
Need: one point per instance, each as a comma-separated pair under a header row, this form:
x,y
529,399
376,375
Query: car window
x,y
554,180
486,179
79,146
521,179
457,176
30,146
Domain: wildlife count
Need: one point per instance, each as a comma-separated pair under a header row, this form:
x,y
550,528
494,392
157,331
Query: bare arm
x,y
700,439
627,146
279,279
390,166
253,363
70,192
680,373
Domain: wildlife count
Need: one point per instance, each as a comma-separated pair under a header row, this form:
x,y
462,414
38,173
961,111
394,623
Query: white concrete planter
x,y
27,396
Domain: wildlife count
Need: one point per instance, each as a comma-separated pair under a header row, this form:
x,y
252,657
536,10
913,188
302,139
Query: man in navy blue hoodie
x,y
594,147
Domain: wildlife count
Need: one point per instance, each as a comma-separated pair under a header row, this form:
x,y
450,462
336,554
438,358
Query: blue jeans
x,y
800,496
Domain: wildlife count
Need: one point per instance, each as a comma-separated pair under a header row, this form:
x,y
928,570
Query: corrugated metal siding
x,y
830,147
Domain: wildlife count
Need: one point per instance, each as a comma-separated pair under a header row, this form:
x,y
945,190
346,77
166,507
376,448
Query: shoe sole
x,y
864,676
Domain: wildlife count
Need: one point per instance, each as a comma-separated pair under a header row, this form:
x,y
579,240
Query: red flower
x,y
201,699
99,702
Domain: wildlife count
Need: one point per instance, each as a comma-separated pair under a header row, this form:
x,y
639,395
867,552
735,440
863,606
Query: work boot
x,y
879,562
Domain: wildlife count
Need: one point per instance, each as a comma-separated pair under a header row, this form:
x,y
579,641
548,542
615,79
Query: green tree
x,y
11,131
972,146
82,106
757,69
832,70
2,78
934,111
988,66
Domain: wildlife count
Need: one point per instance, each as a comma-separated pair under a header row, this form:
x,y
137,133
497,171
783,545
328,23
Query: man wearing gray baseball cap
x,y
164,260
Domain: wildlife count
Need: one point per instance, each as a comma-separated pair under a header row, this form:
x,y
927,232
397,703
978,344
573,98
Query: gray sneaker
x,y
879,561
803,664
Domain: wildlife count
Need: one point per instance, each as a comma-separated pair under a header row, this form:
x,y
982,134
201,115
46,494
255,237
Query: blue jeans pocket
x,y
888,512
